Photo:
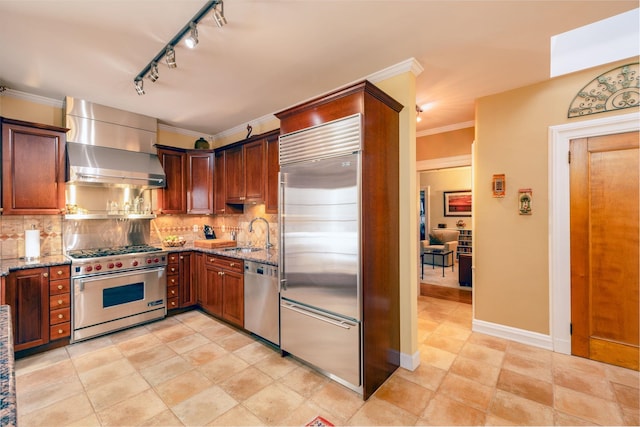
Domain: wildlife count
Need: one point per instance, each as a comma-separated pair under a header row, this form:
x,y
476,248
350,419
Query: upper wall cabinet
x,y
33,168
251,171
189,181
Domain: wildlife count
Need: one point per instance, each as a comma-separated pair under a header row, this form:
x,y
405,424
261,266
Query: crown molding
x,y
37,99
408,65
448,128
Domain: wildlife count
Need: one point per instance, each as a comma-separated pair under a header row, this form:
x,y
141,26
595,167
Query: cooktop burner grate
x,y
102,252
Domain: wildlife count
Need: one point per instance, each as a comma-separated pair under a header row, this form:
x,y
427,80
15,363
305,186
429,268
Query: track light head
x,y
192,40
153,72
218,15
139,86
170,57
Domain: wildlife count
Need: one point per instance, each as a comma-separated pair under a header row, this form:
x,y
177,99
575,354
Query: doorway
x,y
604,248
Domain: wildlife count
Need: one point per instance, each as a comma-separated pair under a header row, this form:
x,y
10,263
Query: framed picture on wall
x,y
457,203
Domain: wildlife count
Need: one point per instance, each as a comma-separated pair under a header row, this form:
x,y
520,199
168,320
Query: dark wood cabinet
x,y
224,281
464,269
200,192
380,254
28,296
245,167
181,286
40,301
199,277
272,185
189,186
33,168
171,199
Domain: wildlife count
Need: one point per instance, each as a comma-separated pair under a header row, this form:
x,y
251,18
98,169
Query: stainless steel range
x,y
115,288
118,280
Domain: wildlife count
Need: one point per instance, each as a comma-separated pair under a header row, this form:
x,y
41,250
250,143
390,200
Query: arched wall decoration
x,y
614,90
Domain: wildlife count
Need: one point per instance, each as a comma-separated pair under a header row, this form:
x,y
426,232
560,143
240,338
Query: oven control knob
x,y
110,265
135,263
99,267
118,264
156,260
149,261
89,269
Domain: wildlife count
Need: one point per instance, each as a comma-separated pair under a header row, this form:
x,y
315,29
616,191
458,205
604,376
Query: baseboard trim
x,y
514,334
410,362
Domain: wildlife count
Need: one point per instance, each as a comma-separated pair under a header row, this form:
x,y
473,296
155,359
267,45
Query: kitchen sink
x,y
244,249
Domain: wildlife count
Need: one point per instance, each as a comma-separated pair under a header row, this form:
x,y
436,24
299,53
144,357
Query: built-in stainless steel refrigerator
x,y
320,293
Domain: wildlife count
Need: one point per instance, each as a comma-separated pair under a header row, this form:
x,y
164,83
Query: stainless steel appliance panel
x,y
262,300
320,230
330,343
103,303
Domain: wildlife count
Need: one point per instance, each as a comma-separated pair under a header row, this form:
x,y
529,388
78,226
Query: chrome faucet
x,y
268,242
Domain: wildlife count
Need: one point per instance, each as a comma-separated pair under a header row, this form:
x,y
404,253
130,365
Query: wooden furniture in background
x,y
464,270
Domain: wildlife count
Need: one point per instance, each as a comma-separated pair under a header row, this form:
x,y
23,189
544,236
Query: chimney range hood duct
x,y
110,147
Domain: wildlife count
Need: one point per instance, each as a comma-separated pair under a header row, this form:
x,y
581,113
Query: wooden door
x,y
32,170
604,248
254,171
233,294
213,292
28,296
187,286
172,198
234,175
200,183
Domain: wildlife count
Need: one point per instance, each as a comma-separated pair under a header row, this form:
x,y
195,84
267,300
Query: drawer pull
x,y
60,316
233,264
45,274
59,272
60,302
60,287
60,331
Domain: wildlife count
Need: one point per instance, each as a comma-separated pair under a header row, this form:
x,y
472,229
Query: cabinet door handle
x,y
59,272
181,257
45,274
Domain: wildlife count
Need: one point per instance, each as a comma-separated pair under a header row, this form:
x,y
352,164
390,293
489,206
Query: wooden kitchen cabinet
x,y
171,199
33,168
224,281
40,300
200,191
245,167
272,185
181,288
189,186
220,186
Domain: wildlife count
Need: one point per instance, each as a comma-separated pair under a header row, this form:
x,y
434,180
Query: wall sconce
x,y
418,111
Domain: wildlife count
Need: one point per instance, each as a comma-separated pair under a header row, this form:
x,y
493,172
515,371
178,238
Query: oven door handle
x,y
82,280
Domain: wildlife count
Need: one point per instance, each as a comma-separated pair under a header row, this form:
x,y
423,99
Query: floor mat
x,y
318,422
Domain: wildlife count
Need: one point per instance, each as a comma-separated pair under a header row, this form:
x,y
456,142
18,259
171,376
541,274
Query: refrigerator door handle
x,y
281,268
340,323
283,284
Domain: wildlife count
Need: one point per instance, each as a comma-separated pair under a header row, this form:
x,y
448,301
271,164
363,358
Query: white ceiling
x,y
274,54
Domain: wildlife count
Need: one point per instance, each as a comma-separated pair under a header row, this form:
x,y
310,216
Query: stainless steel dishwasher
x,y
262,300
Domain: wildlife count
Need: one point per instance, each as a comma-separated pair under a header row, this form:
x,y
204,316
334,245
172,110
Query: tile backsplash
x,y
12,234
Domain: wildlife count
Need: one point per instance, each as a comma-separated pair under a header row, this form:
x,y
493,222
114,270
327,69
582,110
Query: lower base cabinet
x,y
223,288
40,303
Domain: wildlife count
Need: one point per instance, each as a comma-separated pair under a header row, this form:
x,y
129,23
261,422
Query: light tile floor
x,y
191,369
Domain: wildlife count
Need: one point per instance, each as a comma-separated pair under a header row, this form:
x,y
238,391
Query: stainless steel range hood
x,y
110,147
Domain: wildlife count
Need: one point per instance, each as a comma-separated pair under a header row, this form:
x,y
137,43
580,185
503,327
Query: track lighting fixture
x,y
139,86
188,33
153,73
192,40
170,57
218,15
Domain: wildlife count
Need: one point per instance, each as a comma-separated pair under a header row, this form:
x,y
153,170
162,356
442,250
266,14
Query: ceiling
x,y
274,54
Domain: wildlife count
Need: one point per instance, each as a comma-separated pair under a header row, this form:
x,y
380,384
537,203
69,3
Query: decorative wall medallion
x,y
614,90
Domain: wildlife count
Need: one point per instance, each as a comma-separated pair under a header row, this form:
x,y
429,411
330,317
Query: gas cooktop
x,y
103,252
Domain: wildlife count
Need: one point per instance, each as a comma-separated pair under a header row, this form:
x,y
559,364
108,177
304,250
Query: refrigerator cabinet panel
x,y
329,343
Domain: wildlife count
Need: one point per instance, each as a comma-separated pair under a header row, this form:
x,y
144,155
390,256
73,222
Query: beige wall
x,y
445,144
21,109
511,283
